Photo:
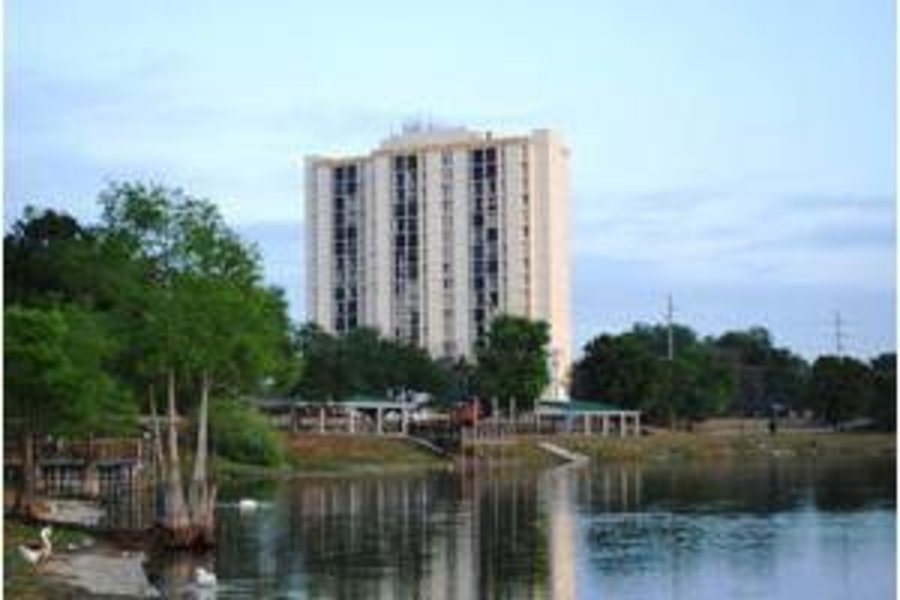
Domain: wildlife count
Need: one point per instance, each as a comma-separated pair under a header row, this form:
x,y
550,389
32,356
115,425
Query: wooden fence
x,y
98,467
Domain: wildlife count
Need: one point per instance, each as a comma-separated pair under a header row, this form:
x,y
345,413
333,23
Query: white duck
x,y
33,554
204,578
248,505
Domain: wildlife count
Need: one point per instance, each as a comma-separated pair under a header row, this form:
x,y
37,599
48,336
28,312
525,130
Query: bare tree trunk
x,y
159,457
199,478
25,503
91,487
200,494
176,520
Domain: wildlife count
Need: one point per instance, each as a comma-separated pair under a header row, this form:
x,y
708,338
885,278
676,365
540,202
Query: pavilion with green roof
x,y
591,417
351,412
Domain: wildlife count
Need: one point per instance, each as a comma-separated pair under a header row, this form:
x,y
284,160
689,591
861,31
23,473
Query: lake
x,y
779,529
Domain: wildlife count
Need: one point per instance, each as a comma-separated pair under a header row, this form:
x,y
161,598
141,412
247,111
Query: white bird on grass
x,y
33,553
204,578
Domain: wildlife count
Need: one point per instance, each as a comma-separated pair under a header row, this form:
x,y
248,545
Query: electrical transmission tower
x,y
839,335
669,312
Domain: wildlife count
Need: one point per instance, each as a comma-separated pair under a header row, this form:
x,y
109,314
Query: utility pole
x,y
670,356
838,334
669,311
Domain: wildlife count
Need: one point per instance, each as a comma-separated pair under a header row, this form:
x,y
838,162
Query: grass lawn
x,y
692,446
340,452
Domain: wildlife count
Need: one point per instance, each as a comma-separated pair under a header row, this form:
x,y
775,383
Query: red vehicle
x,y
467,414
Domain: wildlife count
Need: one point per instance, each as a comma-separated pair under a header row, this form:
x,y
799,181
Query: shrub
x,y
240,433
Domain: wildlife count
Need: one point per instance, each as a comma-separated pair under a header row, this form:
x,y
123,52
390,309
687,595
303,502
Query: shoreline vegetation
x,y
316,455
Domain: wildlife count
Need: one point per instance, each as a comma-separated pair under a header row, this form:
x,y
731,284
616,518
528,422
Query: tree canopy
x,y
883,398
54,374
618,370
512,361
840,388
362,362
737,373
159,295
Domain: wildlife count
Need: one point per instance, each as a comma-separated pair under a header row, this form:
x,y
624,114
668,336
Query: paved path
x,y
562,453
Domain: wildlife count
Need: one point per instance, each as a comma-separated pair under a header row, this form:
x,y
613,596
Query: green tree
x,y
55,383
692,386
839,388
747,354
458,380
47,255
786,378
618,370
512,361
205,323
765,376
161,295
361,361
705,386
365,359
655,338
324,375
37,374
242,434
883,404
411,369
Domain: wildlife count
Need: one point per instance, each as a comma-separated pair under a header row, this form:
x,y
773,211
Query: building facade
x,y
435,232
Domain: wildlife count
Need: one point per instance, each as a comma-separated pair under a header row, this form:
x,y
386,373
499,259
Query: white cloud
x,y
714,236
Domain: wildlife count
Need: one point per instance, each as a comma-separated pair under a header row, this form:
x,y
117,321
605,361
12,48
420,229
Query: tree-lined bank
x,y
160,309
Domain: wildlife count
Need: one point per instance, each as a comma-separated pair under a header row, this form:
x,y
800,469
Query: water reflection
x,y
558,486
756,531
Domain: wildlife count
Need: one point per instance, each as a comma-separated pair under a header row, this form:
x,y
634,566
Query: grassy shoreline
x,y
316,455
338,455
681,447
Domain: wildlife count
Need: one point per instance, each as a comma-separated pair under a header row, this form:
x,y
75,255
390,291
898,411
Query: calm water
x,y
771,530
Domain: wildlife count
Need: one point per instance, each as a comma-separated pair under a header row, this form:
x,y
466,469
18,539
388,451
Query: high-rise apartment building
x,y
434,232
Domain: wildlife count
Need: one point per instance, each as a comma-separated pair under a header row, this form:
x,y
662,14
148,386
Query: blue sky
x,y
739,155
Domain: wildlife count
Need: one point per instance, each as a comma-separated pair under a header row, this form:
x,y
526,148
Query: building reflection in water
x,y
617,531
467,534
461,535
558,488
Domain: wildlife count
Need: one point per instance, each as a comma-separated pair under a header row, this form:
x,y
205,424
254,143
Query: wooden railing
x,y
101,450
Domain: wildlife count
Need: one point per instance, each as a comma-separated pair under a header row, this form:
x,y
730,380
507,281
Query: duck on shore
x,y
37,553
